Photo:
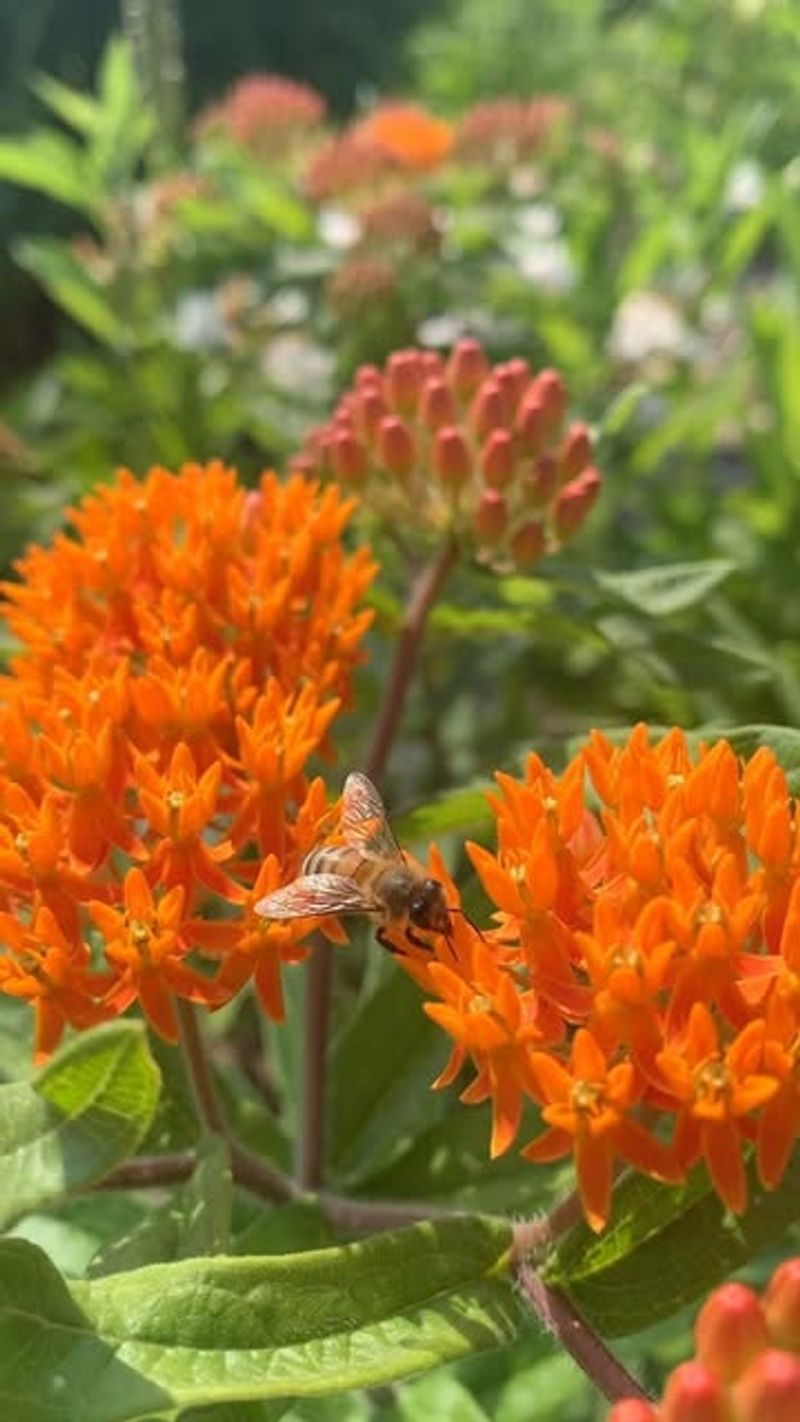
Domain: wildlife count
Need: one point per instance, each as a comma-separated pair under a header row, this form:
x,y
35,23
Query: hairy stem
x,y
198,1069
424,592
310,1160
560,1317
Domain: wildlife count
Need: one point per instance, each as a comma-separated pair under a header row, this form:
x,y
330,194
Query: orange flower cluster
x,y
264,112
409,134
464,448
641,984
503,132
747,1363
184,653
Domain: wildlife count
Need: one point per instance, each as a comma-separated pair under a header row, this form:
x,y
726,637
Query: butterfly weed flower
x,y
182,652
462,448
647,905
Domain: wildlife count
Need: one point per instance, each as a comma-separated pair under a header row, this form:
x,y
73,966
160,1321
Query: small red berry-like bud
x,y
508,386
729,1330
304,464
432,365
497,459
575,452
404,377
395,446
491,516
348,458
693,1394
466,367
371,410
368,377
532,425
452,460
574,501
540,481
528,543
770,1389
782,1306
517,374
487,412
633,1409
552,392
437,406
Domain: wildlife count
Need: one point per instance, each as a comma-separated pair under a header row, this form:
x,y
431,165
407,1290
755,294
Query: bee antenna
x,y
470,921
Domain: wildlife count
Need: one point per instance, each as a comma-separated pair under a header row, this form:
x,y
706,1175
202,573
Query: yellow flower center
x,y
712,1081
586,1097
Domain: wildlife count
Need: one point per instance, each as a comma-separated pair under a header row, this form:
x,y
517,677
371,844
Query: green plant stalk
x,y
153,29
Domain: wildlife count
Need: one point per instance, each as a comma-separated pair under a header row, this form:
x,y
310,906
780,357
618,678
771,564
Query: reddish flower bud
x,y
770,1389
551,390
304,464
368,377
348,458
487,412
371,411
466,367
497,459
693,1394
633,1409
452,460
437,406
782,1306
491,516
532,425
528,543
729,1330
576,451
574,501
508,386
517,372
432,365
404,376
395,446
540,481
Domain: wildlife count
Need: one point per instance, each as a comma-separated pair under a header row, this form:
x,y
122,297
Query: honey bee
x,y
364,871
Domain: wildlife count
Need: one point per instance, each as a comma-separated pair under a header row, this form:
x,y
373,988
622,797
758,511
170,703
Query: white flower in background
x,y
648,326
549,266
745,187
538,220
338,228
441,330
198,323
288,307
293,362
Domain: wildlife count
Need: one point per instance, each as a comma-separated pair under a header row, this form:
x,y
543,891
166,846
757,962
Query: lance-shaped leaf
x,y
666,1248
222,1330
86,1112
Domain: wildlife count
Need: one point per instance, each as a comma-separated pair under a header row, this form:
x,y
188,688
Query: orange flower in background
x,y
183,654
639,985
409,134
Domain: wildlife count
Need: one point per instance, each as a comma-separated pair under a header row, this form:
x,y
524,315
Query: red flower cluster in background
x,y
264,112
183,654
641,983
747,1364
461,447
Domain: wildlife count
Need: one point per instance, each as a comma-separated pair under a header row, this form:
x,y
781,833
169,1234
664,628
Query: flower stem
x,y
560,1317
424,591
310,1161
198,1070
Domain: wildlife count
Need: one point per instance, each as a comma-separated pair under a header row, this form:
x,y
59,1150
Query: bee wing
x,y
313,895
363,822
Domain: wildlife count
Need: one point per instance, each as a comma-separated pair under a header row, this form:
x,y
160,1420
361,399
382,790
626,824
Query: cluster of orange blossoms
x,y
747,1363
183,654
464,448
642,982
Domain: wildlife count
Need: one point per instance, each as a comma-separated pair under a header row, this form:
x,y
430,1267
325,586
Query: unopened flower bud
x,y
693,1394
497,459
551,390
633,1409
532,425
371,412
528,543
769,1391
437,406
452,460
395,446
432,365
576,451
404,376
486,412
368,377
782,1306
517,373
466,367
729,1330
491,516
305,464
540,481
507,384
574,501
348,458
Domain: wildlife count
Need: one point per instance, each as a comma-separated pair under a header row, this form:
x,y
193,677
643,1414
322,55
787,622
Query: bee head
x,y
428,907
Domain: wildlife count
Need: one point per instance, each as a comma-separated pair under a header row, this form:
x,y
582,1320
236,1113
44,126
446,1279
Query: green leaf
x,y
72,1233
622,409
464,810
213,1331
50,163
196,1221
439,1395
87,1112
670,588
665,1248
76,109
72,288
294,1227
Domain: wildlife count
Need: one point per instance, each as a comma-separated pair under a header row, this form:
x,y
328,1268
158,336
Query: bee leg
x,y
417,941
380,934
